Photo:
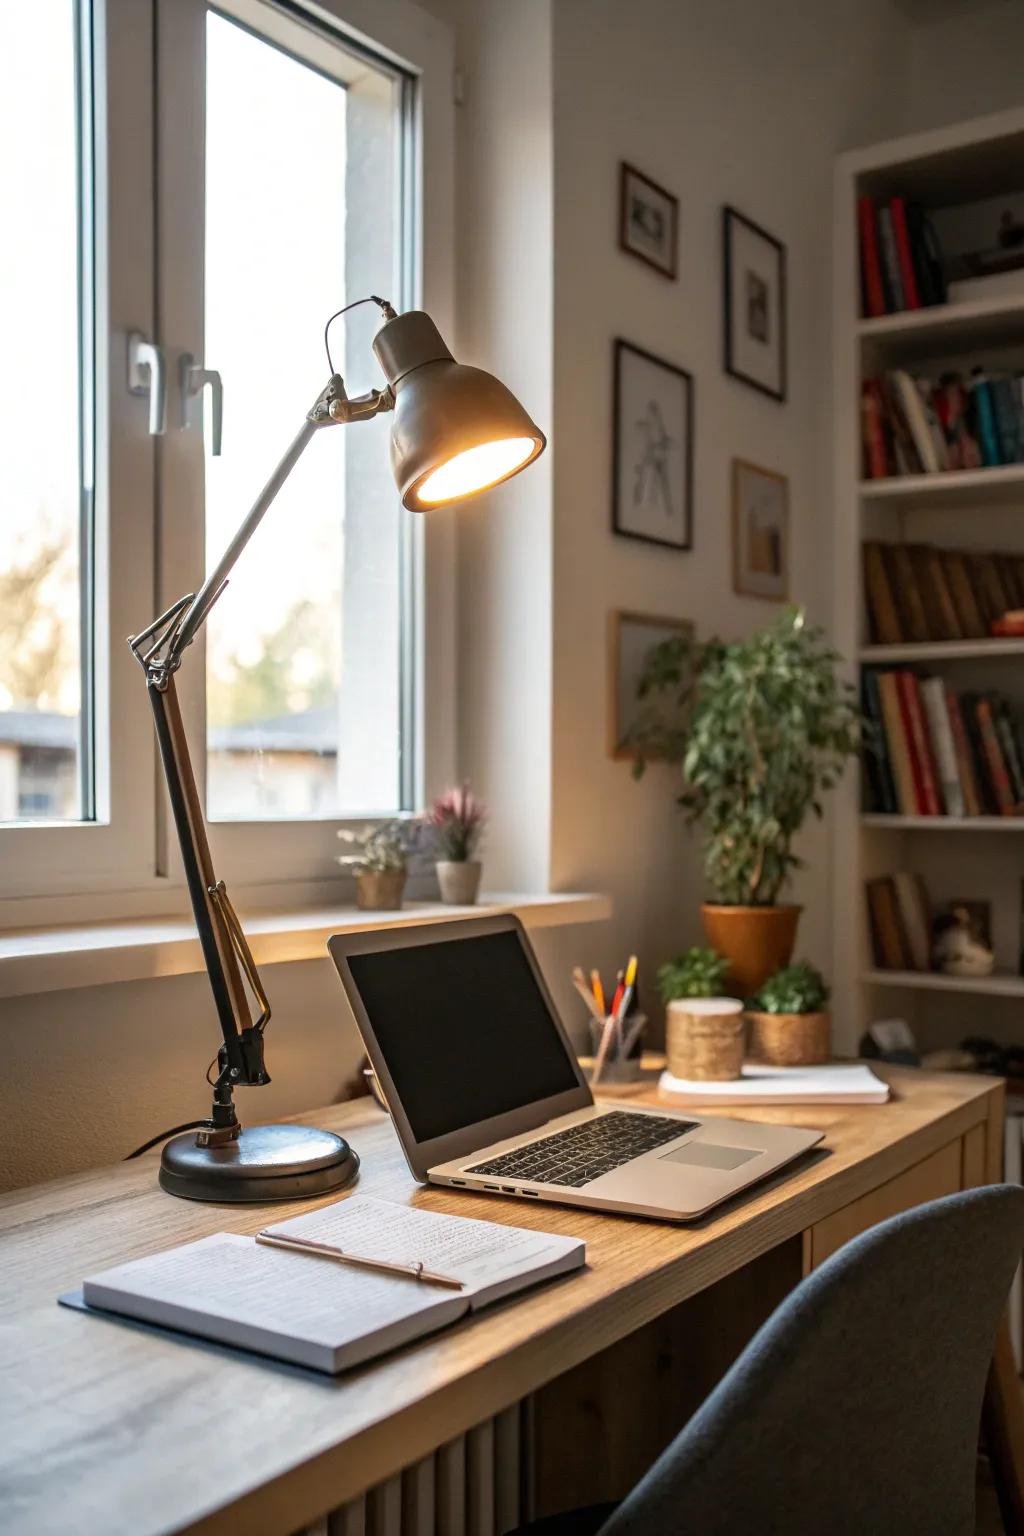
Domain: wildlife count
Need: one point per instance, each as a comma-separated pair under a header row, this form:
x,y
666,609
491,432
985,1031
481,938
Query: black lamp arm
x,y
159,649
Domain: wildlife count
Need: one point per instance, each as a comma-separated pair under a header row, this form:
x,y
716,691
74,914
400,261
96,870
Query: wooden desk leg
x,y
1003,1419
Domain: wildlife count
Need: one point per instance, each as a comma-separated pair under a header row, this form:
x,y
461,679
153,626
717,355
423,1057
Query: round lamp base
x,y
266,1162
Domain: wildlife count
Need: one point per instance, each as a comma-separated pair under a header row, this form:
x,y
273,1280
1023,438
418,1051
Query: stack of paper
x,y
831,1084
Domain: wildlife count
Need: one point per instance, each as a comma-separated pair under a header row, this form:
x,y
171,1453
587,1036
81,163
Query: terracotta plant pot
x,y
380,890
790,1039
704,1038
756,941
459,881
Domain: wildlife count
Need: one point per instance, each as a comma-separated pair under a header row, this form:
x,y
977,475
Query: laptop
x,y
486,1093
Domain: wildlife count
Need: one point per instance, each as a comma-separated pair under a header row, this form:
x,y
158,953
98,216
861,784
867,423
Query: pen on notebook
x,y
415,1270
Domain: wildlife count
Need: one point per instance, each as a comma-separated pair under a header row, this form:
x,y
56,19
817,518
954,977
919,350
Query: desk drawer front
x,y
473,1486
937,1175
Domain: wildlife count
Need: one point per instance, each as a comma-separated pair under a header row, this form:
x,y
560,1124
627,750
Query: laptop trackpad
x,y
705,1154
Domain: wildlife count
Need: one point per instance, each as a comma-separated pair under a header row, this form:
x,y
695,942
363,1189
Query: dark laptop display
x,y
464,1029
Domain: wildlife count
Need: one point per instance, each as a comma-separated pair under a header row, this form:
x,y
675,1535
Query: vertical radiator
x,y
473,1486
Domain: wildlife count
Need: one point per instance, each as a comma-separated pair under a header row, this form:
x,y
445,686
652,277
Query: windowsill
x,y
95,954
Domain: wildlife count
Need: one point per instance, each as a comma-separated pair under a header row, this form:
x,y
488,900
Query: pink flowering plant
x,y
458,819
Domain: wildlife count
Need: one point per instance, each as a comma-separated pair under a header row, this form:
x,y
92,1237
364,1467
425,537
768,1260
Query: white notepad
x,y
317,1312
835,1083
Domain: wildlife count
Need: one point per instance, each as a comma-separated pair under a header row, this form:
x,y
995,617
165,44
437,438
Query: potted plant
x,y
458,819
703,1030
381,865
789,1026
763,729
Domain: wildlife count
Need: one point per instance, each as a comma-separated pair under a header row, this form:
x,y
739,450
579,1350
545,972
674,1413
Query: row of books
x,y
900,920
913,426
914,593
932,752
901,265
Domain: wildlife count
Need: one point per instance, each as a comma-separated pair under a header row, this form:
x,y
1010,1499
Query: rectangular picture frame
x,y
761,569
630,638
652,448
657,247
754,304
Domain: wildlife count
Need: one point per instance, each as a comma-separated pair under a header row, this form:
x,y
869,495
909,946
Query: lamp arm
x,y
159,649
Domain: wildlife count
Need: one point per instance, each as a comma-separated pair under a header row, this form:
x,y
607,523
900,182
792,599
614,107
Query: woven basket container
x,y
790,1039
704,1038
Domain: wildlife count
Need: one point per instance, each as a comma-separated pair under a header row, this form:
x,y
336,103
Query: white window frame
x,y
129,865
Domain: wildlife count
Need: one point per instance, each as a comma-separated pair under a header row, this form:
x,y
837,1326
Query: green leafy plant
x,y
795,989
380,848
695,973
764,728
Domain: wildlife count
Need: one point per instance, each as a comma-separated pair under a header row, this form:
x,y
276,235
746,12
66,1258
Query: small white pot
x,y
459,882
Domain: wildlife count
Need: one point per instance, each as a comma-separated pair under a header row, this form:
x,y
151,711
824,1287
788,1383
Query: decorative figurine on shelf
x,y
961,946
458,820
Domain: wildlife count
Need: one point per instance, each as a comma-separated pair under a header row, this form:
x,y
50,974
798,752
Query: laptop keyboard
x,y
584,1152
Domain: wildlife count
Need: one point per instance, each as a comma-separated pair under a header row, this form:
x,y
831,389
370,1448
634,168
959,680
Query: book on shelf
x,y
901,264
916,593
929,751
919,426
889,943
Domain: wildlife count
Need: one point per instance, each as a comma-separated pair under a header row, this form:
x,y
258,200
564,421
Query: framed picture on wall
x,y
755,304
648,220
631,639
652,467
760,531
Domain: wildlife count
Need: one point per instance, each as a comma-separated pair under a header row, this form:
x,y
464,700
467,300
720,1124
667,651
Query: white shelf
x,y
999,486
919,332
942,823
943,650
933,981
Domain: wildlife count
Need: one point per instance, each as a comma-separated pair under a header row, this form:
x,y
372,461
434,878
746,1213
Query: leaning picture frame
x,y
754,303
652,448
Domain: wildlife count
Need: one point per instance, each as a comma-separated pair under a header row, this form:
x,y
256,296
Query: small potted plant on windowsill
x,y
458,820
703,1030
789,1026
380,865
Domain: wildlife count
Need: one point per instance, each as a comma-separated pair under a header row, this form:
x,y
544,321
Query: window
x,y
304,675
217,179
44,512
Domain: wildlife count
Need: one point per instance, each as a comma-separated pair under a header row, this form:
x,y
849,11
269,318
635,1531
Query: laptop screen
x,y
464,1029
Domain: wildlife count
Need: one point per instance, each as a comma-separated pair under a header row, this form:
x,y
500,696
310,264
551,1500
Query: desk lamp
x,y
456,431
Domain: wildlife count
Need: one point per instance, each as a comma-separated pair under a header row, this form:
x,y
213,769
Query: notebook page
x,y
490,1259
292,1305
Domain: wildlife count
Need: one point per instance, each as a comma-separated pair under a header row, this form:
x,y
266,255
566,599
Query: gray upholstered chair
x,y
856,1407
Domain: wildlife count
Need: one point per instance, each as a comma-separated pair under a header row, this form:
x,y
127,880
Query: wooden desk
x,y
107,1427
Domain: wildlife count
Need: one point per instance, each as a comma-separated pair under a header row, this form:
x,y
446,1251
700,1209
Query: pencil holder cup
x,y
624,1068
704,1038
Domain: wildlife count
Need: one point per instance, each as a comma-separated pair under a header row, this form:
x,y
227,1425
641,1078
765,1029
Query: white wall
x,y
966,64
743,104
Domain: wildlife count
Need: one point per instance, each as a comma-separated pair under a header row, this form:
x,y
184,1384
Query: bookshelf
x,y
975,509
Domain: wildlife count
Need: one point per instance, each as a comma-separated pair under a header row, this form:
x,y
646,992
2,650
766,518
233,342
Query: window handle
x,y
148,376
193,380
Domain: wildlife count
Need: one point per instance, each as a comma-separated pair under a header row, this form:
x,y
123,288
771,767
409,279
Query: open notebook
x,y
314,1311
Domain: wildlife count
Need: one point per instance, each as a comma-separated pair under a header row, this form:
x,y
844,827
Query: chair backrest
x,y
856,1407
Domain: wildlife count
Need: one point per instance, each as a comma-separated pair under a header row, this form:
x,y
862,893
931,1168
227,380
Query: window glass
x,y
304,674
43,510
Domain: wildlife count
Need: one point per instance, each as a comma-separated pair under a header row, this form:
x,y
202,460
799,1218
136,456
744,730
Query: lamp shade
x,y
456,430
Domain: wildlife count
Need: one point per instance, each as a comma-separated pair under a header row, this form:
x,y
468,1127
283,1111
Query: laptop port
x,y
493,1186
531,1192
508,1189
460,1182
